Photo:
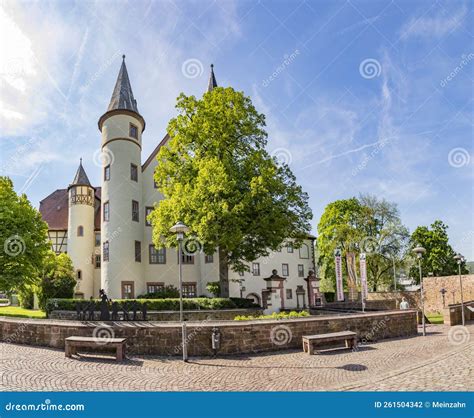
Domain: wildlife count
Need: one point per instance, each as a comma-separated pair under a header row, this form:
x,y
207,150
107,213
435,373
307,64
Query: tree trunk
x,y
223,274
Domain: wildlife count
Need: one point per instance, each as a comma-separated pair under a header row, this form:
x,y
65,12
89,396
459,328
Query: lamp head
x,y
419,251
459,258
179,229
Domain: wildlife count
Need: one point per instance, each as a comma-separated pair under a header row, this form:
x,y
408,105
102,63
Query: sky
x,y
359,96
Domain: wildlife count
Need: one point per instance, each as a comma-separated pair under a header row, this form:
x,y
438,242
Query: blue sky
x,y
360,96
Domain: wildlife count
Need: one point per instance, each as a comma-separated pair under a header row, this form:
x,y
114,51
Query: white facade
x,y
125,261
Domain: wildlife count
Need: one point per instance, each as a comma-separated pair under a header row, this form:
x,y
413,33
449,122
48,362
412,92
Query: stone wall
x,y
236,336
201,315
433,285
452,315
393,299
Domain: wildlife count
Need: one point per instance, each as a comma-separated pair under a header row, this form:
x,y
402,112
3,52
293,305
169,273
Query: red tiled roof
x,y
55,209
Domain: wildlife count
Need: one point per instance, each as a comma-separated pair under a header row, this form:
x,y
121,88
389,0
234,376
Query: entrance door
x,y
128,290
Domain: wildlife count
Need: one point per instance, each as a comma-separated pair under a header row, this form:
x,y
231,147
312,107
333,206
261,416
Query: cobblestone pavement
x,y
434,362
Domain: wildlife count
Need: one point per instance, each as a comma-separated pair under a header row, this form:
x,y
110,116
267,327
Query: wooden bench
x,y
73,343
309,341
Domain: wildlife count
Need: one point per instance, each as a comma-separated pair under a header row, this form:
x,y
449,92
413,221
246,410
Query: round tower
x,y
122,213
80,234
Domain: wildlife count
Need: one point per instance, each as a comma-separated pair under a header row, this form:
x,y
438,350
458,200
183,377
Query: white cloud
x,y
433,26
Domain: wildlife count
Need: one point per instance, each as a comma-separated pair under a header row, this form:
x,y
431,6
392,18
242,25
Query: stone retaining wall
x,y
452,314
236,336
392,299
433,285
200,315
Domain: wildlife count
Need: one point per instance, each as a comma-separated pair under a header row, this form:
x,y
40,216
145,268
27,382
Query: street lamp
x,y
419,251
180,229
459,259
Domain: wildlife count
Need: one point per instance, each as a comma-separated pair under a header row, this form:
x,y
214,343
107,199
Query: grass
x,y
21,312
435,318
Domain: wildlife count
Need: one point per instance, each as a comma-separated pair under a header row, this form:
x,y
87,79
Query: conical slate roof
x,y
122,97
81,177
212,80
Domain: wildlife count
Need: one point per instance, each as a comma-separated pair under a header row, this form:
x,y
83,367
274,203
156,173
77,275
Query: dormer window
x,y
133,131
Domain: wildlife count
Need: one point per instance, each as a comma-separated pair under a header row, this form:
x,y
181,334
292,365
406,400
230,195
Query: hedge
x,y
171,304
274,315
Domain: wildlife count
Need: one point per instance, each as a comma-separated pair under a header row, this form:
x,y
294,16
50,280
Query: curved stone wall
x,y
237,337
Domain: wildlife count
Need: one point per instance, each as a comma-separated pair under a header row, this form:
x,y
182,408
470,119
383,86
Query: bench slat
x,y
331,335
96,339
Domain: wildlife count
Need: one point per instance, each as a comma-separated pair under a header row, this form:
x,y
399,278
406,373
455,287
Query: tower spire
x,y
212,80
122,96
81,179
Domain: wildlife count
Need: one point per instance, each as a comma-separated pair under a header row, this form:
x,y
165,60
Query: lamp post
x,y
180,229
459,259
419,251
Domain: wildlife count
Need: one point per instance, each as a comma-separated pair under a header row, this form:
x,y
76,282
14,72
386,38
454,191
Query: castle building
x,y
105,231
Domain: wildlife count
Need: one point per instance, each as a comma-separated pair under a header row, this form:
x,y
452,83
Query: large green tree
x,y
439,256
57,280
217,177
364,224
23,237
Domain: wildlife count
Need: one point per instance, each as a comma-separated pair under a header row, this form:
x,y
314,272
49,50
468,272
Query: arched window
x,y
79,274
304,251
80,231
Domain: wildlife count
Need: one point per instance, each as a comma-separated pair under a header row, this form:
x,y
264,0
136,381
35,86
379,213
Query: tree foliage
x,y
216,176
58,279
23,237
364,224
439,256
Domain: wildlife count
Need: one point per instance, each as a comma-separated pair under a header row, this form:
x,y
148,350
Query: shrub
x,y
214,288
274,315
169,304
4,301
168,291
26,298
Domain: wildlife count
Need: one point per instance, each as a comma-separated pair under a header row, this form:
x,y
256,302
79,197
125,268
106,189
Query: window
x,y
97,239
300,270
289,248
135,216
133,131
285,270
289,294
148,210
97,261
107,173
187,259
189,290
209,258
155,184
79,274
157,255
138,251
256,269
106,211
133,172
128,290
152,287
105,251
80,231
304,251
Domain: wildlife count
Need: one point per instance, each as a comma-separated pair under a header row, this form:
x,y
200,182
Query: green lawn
x,y
20,312
435,318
